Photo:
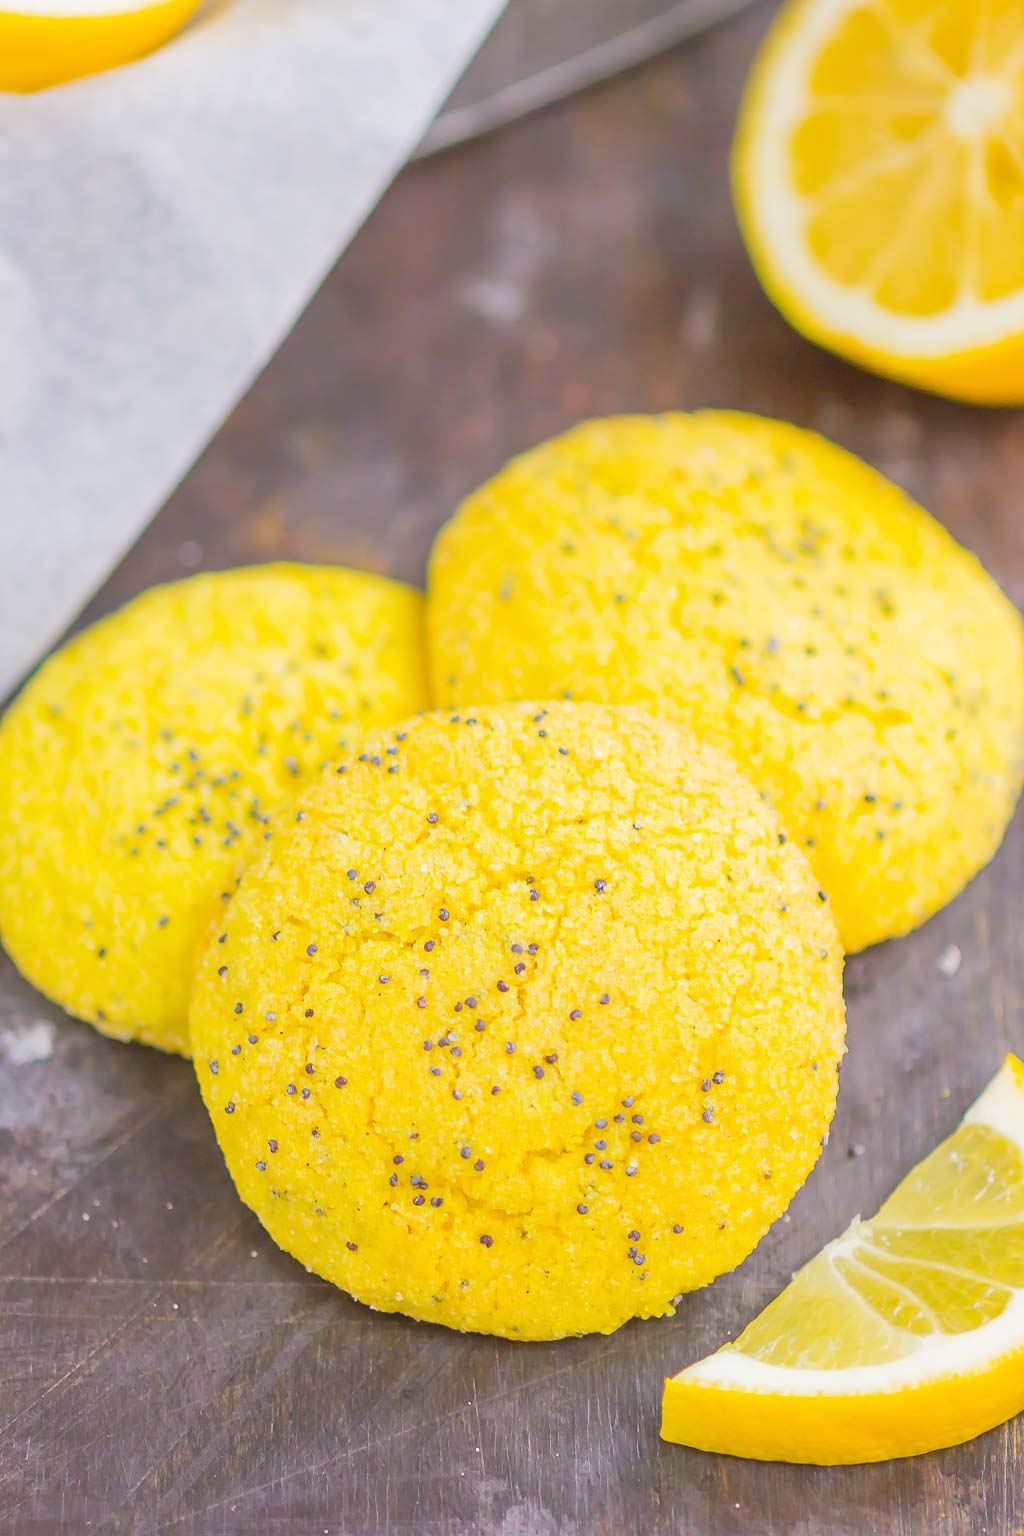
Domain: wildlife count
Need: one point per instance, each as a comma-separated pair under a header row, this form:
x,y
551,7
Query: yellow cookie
x,y
141,767
780,598
525,1022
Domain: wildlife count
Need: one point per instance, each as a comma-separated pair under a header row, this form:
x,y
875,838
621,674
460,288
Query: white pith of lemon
x,y
879,178
903,1335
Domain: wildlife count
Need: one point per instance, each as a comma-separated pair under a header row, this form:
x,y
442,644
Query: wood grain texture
x,y
162,1367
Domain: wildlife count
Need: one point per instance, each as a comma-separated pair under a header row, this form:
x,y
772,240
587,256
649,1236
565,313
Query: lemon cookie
x,y
783,600
526,1021
142,765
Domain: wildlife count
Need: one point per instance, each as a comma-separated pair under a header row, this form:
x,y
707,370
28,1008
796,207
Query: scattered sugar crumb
x,y
501,301
950,961
23,1045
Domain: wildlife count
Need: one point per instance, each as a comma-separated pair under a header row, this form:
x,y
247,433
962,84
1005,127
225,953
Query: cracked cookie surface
x,y
525,1022
143,764
781,599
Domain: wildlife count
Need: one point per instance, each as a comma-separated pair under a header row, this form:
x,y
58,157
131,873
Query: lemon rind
x,y
776,100
1001,1107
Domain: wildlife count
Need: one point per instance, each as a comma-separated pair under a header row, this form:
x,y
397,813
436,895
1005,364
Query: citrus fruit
x,y
903,1335
43,42
879,178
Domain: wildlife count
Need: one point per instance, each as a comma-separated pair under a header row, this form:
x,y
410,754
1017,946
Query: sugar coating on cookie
x,y
144,762
780,598
527,1021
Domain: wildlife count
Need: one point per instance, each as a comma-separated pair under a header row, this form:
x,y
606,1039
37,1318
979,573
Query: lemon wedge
x,y
43,42
878,170
904,1335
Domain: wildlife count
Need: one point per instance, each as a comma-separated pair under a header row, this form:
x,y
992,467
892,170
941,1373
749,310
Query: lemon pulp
x,y
903,1335
879,170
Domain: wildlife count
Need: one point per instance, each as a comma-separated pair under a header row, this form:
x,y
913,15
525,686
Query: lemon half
x,y
905,1334
43,42
879,178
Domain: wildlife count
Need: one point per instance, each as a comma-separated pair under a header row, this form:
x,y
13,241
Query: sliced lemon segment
x,y
44,42
903,1335
879,179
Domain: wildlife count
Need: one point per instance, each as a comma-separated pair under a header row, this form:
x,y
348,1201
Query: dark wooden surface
x,y
162,1367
